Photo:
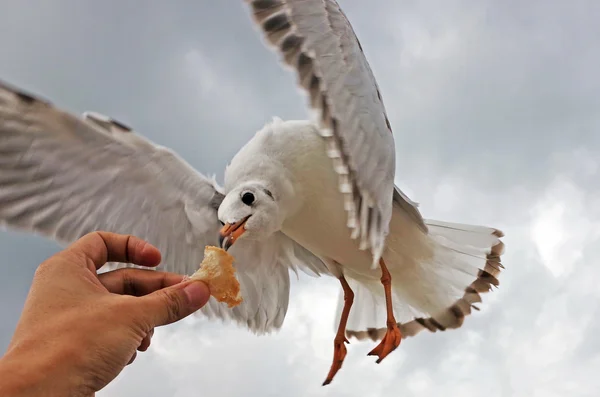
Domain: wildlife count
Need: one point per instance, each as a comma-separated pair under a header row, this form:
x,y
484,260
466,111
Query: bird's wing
x,y
315,39
265,281
410,208
63,176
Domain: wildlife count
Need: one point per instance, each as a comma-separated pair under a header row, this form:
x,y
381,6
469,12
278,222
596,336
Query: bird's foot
x,y
339,353
388,344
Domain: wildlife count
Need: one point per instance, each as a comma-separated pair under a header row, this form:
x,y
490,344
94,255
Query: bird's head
x,y
249,211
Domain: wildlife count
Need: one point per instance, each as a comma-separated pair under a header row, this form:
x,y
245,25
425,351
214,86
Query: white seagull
x,y
315,195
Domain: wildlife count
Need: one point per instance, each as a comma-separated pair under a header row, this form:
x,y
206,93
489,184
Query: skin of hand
x,y
79,329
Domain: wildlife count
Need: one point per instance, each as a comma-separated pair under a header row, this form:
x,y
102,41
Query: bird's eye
x,y
248,198
222,223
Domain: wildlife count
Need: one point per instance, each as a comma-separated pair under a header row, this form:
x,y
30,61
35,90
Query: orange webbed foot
x,y
388,344
339,353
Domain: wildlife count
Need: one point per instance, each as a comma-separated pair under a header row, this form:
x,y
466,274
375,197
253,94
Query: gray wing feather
x,y
409,207
62,176
316,39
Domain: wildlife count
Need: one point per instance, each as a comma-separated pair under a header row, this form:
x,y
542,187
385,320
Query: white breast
x,y
319,223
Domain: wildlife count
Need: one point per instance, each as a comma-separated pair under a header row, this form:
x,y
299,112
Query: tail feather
x,y
466,261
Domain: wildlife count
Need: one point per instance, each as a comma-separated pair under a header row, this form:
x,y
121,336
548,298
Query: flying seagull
x,y
313,195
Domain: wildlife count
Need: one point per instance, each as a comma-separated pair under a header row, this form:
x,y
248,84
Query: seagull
x,y
315,195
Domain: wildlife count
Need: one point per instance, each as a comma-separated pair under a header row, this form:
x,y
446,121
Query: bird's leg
x,y
339,349
392,337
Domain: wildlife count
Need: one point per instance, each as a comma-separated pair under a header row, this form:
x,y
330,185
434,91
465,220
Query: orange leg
x,y
339,349
392,337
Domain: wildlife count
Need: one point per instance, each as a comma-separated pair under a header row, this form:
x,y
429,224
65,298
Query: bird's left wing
x,y
63,176
316,39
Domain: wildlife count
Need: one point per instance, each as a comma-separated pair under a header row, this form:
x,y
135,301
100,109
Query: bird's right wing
x,y
63,176
265,281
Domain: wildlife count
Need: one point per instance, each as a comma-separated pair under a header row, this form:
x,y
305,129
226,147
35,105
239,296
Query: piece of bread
x,y
217,271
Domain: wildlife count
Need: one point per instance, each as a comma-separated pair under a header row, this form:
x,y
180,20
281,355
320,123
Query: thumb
x,y
168,305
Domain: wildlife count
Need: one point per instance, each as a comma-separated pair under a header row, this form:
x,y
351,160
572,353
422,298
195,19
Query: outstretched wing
x,y
315,38
62,176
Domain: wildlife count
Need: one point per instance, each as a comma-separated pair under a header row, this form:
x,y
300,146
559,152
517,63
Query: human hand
x,y
78,329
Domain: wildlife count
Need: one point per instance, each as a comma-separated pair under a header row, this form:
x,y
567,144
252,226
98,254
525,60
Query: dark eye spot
x,y
221,222
248,198
268,192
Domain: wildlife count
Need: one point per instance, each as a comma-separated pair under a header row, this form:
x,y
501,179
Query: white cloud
x,y
565,221
217,85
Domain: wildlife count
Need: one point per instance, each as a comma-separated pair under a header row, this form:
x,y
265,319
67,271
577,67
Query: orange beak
x,y
230,232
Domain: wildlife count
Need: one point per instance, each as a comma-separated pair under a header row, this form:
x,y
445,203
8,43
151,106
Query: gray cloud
x,y
494,110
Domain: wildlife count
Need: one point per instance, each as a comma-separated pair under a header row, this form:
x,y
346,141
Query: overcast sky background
x,y
495,110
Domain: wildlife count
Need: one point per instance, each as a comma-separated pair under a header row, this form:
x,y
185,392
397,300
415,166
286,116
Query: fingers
x,y
137,282
172,304
145,344
157,306
102,247
132,359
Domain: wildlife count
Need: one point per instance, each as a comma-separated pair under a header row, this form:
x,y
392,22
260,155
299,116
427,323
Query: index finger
x,y
137,282
101,247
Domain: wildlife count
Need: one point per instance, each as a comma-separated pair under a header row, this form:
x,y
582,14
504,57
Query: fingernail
x,y
149,256
197,293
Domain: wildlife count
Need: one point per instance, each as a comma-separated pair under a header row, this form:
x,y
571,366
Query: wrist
x,y
18,379
37,373
14,381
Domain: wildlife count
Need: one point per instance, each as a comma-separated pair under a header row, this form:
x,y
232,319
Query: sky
x,y
494,107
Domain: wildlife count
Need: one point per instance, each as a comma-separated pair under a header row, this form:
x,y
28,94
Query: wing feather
x,y
315,38
62,177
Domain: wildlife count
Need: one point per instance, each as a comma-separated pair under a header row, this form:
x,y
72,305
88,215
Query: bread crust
x,y
217,271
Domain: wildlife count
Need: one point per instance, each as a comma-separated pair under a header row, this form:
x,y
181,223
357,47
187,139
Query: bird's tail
x,y
435,286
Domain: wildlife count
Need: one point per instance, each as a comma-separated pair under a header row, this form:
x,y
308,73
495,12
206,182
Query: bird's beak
x,y
230,232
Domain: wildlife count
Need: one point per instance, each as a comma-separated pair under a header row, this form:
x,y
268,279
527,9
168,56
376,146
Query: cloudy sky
x,y
494,107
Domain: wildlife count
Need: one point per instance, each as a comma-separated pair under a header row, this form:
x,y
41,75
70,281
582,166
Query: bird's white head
x,y
250,211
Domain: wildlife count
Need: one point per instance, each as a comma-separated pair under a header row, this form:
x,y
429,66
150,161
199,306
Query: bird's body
x,y
294,153
316,195
428,276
